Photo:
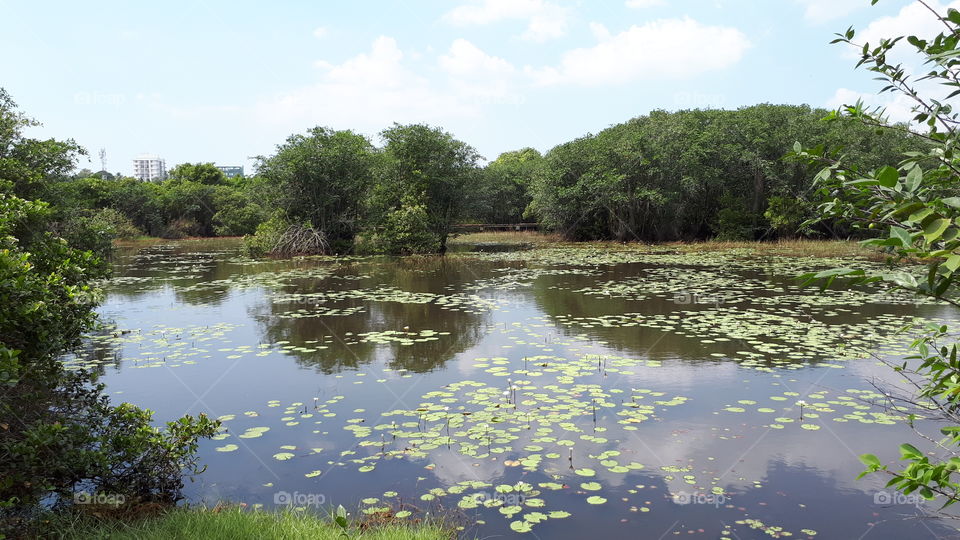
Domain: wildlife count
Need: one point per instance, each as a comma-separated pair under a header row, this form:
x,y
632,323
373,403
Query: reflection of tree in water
x,y
103,346
833,511
140,271
554,296
415,274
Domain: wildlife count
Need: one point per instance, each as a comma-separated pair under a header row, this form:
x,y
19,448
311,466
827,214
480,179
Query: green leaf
x,y
914,179
953,16
902,278
951,201
908,451
934,230
888,176
919,215
952,263
901,234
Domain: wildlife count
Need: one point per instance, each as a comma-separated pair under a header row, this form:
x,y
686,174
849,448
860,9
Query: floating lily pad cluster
x,y
546,411
863,406
766,335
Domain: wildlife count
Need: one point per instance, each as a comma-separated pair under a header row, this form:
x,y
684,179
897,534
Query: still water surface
x,y
568,392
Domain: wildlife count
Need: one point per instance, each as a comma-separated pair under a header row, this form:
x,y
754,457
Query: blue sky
x,y
222,81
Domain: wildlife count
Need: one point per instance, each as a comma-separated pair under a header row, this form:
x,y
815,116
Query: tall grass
x,y
785,248
788,248
506,237
235,523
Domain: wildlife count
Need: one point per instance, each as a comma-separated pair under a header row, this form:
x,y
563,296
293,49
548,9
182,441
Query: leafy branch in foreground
x,y
917,205
60,436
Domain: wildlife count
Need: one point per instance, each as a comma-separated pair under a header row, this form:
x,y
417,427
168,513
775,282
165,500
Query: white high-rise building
x,y
149,167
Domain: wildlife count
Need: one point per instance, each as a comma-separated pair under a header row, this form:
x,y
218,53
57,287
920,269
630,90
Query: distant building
x,y
231,170
149,168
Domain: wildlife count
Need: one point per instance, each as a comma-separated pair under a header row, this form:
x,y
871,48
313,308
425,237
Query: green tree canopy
x,y
201,173
425,166
322,178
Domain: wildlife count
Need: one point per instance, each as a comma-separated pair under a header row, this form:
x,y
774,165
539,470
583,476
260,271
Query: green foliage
x,y
26,163
266,236
425,174
787,215
45,301
916,204
405,231
735,221
200,173
188,208
322,179
235,215
58,431
691,174
501,194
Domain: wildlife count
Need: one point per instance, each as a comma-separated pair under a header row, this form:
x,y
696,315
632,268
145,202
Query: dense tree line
x,y
196,200
683,175
697,174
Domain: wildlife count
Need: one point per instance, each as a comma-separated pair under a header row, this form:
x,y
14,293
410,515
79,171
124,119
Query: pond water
x,y
558,391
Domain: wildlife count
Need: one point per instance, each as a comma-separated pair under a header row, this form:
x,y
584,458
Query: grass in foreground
x,y
236,523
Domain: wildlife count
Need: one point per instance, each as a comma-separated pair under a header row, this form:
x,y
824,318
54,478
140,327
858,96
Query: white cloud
x,y
320,32
898,107
819,11
545,20
465,59
913,19
474,73
600,32
373,89
644,4
366,92
662,49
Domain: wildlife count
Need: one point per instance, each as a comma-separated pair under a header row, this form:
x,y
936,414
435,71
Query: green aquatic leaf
x,y
520,526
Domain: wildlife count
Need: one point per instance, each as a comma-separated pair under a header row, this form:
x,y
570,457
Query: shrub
x,y
786,215
238,220
182,228
734,221
406,231
58,431
266,236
